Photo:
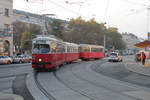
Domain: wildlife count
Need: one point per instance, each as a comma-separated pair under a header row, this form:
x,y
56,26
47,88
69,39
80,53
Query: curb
x,y
10,97
32,87
136,68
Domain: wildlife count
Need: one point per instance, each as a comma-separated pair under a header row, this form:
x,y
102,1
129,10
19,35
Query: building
x,y
32,18
130,39
6,29
27,17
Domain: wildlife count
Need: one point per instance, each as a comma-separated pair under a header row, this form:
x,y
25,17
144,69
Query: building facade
x,y
37,19
6,28
27,17
130,39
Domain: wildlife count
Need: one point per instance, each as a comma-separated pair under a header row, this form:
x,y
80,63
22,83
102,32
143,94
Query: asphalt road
x,y
89,80
13,77
95,80
118,71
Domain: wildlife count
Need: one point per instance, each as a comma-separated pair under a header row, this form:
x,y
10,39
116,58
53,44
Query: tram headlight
x,y
40,59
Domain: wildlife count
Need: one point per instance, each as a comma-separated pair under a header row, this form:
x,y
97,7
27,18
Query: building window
x,y
6,29
6,12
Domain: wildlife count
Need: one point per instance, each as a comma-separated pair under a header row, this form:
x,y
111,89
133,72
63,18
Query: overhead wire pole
x,y
148,19
105,15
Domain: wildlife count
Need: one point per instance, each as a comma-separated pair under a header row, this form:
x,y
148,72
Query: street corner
x,y
4,96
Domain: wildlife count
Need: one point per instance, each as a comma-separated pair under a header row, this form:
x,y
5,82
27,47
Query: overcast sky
x,y
126,15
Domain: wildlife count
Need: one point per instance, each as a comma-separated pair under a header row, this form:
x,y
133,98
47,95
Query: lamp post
x,y
104,39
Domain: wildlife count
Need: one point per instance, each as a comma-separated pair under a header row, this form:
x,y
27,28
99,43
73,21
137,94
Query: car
x,y
22,59
115,57
28,58
5,60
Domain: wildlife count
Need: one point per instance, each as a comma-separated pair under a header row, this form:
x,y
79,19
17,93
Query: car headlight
x,y
40,59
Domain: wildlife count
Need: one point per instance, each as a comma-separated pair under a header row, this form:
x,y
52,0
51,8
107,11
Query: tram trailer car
x,y
72,52
91,51
50,53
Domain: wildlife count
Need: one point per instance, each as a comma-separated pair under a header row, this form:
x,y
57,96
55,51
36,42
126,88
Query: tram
x,y
91,51
49,53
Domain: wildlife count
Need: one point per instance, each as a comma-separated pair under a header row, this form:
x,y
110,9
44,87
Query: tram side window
x,y
60,48
96,49
101,49
80,49
69,49
93,49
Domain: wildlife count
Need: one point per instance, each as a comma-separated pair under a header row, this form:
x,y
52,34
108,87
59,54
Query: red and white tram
x,y
91,51
48,53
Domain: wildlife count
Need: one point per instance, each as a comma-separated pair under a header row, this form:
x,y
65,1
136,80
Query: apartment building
x,y
130,40
6,29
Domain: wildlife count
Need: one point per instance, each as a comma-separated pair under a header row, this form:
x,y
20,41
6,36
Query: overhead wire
x,y
106,10
135,3
66,9
71,11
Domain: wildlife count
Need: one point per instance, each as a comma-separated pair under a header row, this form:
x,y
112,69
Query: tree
x,y
34,30
18,29
87,32
91,32
56,28
26,42
6,46
114,39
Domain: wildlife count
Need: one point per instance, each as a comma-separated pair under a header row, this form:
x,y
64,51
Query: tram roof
x,y
89,45
46,37
73,44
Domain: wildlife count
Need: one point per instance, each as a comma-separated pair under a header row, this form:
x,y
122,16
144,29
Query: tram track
x,y
95,84
47,94
90,82
91,97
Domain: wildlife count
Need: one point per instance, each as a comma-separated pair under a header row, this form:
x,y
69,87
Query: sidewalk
x,y
10,97
137,67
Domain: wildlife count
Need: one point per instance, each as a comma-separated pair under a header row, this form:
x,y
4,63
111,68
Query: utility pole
x,y
104,42
148,31
105,16
104,38
43,29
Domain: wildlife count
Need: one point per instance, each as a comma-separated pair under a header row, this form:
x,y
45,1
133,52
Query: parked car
x,y
22,59
28,58
115,57
5,60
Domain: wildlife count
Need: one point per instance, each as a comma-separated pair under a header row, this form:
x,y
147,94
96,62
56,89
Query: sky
x,y
127,15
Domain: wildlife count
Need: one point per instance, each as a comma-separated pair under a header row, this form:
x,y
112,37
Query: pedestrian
x,y
143,57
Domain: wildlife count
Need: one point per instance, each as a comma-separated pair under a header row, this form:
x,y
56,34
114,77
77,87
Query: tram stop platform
x,y
137,67
4,96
